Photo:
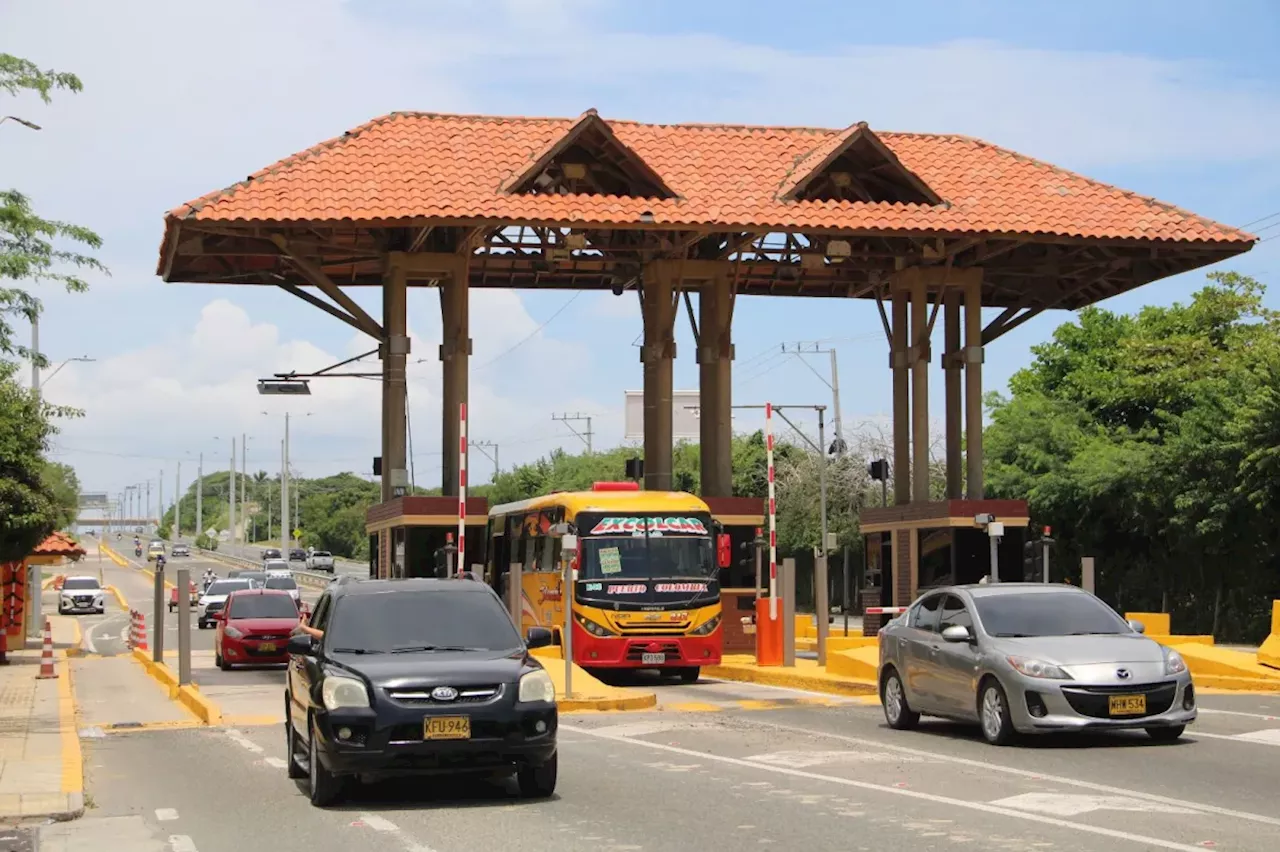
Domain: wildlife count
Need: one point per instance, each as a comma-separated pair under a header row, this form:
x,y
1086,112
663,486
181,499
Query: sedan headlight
x,y
593,628
233,632
704,629
537,686
1173,663
344,692
1038,668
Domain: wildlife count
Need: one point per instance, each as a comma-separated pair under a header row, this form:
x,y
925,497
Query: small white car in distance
x,y
81,594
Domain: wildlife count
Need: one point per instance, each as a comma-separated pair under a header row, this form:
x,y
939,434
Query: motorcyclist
x,y
209,578
159,561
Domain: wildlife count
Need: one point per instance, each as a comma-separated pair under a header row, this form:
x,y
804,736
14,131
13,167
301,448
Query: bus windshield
x,y
645,558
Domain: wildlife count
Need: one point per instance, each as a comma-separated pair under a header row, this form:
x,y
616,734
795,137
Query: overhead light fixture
x,y
284,387
838,250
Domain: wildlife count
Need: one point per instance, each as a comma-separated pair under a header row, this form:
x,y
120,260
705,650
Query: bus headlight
x,y
708,627
593,628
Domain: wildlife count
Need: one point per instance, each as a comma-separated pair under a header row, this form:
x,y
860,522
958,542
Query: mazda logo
x,y
1123,674
444,693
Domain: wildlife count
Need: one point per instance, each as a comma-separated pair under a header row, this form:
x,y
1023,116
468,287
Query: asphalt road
x,y
254,552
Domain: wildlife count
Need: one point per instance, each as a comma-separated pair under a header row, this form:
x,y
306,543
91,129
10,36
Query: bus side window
x,y
530,548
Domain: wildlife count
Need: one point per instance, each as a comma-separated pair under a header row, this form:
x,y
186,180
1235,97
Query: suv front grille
x,y
421,695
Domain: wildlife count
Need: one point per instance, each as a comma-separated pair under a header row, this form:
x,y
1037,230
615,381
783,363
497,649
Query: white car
x,y
276,566
215,598
283,581
81,594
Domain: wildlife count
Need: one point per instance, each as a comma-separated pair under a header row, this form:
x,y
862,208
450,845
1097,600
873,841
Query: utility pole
x,y
244,474
35,365
177,503
285,486
200,497
147,517
231,494
569,419
481,446
802,349
159,499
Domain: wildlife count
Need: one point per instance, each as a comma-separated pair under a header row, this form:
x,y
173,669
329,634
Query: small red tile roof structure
x,y
925,198
58,544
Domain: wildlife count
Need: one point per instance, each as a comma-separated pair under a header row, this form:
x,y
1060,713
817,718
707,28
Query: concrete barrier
x,y
588,692
1269,653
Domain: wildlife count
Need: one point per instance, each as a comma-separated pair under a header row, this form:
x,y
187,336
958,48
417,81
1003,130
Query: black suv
x,y
297,555
413,677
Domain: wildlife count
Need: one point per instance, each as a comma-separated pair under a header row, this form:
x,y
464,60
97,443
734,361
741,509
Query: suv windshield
x,y
263,606
81,585
226,587
1047,614
388,622
281,583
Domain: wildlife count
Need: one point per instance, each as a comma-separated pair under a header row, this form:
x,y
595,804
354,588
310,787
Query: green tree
x,y
31,247
63,486
29,509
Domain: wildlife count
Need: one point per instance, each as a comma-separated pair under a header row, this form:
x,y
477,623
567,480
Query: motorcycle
x,y
137,551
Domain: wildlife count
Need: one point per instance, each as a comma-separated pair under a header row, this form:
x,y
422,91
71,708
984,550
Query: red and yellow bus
x,y
645,589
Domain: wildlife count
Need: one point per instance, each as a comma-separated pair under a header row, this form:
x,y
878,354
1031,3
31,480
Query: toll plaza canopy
x,y
920,221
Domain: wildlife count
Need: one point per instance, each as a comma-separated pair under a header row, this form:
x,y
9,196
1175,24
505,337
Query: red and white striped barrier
x,y
885,610
46,654
773,514
137,630
462,488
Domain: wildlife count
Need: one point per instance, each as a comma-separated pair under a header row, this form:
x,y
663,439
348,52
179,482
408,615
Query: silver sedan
x,y
1022,658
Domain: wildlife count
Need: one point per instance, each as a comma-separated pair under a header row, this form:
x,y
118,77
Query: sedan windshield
x,y
1047,614
263,606
420,621
226,587
82,584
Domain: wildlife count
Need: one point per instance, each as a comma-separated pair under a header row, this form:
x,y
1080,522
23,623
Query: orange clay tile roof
x,y
58,544
420,166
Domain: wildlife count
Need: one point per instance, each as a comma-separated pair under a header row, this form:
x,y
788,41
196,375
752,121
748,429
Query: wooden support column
x,y
394,352
901,399
715,399
455,352
973,358
952,364
919,390
657,354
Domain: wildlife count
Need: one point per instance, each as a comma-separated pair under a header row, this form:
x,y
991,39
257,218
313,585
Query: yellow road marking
x,y
72,760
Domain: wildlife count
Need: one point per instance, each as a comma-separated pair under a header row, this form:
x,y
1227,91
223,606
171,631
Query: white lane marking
x,y
275,762
182,843
1270,737
805,759
243,741
932,798
166,814
1263,716
640,729
1058,804
386,826
1035,776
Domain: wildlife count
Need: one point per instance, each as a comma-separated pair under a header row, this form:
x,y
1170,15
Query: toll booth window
x,y
934,548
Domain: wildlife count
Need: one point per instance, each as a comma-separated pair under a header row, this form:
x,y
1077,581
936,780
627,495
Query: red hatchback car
x,y
254,628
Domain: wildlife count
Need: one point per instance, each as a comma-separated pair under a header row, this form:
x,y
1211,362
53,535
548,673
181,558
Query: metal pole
x,y
35,625
821,604
284,495
1046,561
844,570
835,404
995,559
200,496
184,626
35,356
244,474
231,494
566,602
177,503
157,621
515,594
159,500
773,522
758,545
147,517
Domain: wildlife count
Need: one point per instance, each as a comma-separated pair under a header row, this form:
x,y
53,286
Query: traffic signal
x,y
878,470
1030,559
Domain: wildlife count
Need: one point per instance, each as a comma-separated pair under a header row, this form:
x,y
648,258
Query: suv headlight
x,y
1173,662
1038,668
704,629
339,692
537,686
593,628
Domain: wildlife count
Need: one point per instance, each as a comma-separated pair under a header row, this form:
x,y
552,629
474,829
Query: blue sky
x,y
1177,100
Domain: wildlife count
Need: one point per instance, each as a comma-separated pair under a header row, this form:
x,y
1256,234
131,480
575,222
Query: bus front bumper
x,y
645,652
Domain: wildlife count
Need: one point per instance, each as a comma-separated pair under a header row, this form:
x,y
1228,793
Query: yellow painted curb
x,y
152,575
113,556
72,759
643,701
1256,685
791,679
45,584
200,704
124,604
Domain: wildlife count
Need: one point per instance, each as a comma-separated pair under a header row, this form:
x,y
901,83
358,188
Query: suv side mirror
x,y
302,645
538,637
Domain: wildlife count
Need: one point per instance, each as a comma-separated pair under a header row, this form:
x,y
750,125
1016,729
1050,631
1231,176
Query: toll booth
x,y
408,535
914,547
741,518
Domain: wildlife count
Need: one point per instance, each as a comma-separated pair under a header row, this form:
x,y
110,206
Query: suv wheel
x,y
326,788
538,782
295,769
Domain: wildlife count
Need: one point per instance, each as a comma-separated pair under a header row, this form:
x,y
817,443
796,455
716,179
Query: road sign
x,y
297,533
685,411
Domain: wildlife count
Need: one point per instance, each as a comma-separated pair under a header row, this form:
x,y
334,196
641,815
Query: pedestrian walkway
x,y
116,693
41,771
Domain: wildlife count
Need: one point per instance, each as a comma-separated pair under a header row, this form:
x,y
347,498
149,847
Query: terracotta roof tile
x,y
58,544
425,165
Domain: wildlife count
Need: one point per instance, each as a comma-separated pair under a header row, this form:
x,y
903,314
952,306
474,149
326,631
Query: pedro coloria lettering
x,y
637,526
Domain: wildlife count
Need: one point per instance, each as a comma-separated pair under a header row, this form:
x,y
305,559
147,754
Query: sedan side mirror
x,y
538,637
1138,626
302,645
957,633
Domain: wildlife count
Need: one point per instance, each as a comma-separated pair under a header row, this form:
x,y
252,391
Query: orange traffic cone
x,y
139,630
46,655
